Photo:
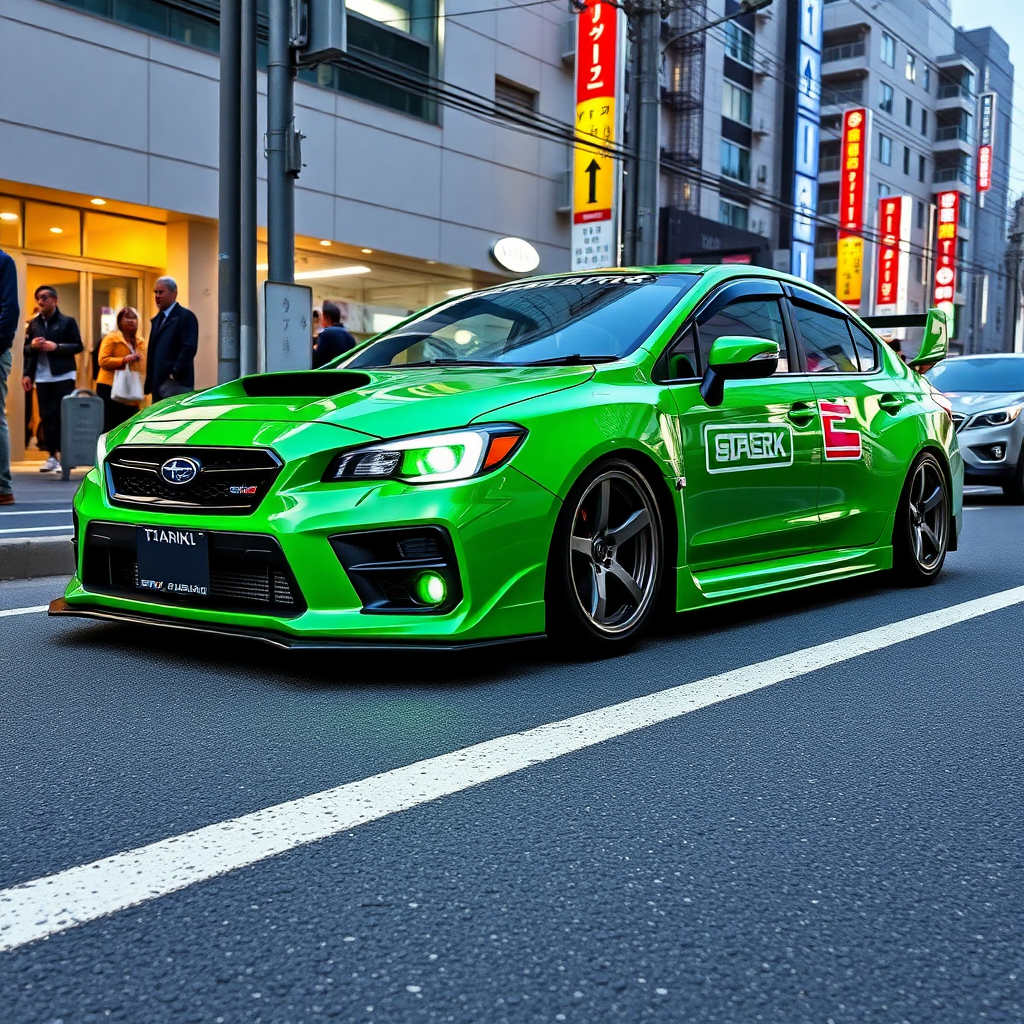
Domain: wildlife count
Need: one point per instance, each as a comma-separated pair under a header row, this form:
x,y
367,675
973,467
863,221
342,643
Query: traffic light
x,y
318,31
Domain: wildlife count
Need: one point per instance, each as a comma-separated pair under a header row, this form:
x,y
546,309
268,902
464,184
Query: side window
x,y
828,345
681,360
867,349
752,318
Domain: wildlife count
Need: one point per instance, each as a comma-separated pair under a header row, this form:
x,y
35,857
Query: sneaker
x,y
49,465
6,497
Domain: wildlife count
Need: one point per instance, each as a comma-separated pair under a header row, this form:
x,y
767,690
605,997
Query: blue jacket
x,y
331,342
10,311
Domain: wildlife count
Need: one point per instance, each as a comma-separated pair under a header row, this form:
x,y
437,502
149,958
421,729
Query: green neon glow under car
x,y
564,456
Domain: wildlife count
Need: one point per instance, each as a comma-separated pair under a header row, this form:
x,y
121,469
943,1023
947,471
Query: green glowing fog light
x,y
431,588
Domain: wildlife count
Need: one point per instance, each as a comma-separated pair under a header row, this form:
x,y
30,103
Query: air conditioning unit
x,y
564,193
762,128
762,174
763,66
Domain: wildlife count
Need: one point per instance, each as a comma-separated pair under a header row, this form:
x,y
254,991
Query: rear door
x,y
751,464
859,406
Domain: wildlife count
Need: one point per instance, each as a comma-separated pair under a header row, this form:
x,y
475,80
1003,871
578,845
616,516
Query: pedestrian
x,y
50,364
10,313
173,341
122,349
333,340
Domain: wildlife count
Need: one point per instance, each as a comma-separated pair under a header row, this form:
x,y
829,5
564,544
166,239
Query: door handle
x,y
890,404
801,413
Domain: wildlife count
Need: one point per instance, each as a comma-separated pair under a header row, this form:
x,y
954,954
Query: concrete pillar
x,y
192,262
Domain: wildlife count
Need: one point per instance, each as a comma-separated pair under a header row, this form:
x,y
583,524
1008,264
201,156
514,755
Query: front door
x,y
752,463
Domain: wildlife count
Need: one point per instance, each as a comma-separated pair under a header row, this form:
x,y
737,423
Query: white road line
x,y
57,902
35,529
24,611
37,512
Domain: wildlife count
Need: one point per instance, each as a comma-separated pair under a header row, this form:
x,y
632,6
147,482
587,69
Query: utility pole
x,y
283,162
248,333
229,183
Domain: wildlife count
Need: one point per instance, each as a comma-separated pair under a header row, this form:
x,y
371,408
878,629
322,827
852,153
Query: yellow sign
x,y
849,269
594,171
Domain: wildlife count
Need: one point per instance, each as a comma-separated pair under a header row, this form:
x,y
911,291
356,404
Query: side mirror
x,y
737,359
934,344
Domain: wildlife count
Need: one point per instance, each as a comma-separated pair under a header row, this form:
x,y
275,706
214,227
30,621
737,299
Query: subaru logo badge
x,y
180,470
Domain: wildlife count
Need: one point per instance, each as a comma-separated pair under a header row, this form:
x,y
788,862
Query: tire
x,y
607,561
920,537
1014,490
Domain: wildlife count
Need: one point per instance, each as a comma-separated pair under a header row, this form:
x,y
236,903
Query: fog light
x,y
998,451
431,588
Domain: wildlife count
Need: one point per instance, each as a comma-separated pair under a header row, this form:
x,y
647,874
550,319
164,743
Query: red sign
x,y
839,443
945,255
984,168
890,223
853,162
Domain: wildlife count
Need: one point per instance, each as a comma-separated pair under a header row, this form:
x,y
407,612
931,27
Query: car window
x,y
828,344
681,359
751,318
866,346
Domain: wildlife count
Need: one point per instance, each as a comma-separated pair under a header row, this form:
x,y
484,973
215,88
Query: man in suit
x,y
51,347
173,341
333,340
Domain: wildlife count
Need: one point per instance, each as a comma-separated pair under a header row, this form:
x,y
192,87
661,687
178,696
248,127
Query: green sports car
x,y
566,455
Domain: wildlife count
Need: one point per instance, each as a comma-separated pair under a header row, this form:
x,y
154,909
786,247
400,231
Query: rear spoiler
x,y
934,344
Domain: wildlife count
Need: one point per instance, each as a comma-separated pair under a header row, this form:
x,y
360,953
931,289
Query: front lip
x,y
58,606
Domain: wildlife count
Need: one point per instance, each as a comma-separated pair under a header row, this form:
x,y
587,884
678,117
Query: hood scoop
x,y
303,384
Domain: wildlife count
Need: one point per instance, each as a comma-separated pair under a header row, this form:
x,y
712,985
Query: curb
x,y
27,557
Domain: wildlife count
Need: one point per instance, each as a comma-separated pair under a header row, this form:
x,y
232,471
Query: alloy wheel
x,y
928,515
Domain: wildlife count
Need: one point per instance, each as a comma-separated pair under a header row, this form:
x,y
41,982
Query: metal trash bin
x,y
81,423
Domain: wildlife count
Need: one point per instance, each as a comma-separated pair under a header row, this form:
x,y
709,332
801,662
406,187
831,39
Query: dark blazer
x,y
172,349
61,329
331,342
10,311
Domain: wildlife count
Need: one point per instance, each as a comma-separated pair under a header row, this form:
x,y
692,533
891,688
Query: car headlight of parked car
x,y
994,417
430,458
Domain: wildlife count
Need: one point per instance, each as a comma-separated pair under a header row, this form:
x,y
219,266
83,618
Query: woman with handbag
x,y
122,356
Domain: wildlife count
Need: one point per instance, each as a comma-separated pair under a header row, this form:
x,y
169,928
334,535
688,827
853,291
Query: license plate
x,y
173,561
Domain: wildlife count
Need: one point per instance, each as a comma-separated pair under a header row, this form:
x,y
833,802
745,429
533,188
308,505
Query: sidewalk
x,y
35,532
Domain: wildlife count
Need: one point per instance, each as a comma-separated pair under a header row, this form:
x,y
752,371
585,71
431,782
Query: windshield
x,y
988,374
562,320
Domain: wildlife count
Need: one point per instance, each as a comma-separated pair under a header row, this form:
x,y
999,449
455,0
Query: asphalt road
x,y
844,846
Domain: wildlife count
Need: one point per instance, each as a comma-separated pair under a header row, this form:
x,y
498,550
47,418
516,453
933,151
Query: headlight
x,y
430,458
995,417
101,450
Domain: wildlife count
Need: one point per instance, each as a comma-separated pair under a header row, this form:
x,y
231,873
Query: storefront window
x,y
124,240
10,223
50,228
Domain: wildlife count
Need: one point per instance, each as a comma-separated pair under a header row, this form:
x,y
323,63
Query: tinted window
x,y
749,318
827,342
604,317
986,374
867,351
681,361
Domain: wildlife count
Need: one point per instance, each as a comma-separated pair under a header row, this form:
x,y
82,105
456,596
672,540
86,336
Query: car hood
x,y
378,403
970,402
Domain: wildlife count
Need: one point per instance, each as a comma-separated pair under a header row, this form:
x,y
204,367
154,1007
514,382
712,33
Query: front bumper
x,y
976,444
500,528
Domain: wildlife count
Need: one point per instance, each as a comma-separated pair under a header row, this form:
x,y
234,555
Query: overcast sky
x,y
1007,18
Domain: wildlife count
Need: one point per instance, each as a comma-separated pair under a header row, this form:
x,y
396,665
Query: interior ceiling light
x,y
8,216
57,231
325,241
432,263
367,251
313,275
98,202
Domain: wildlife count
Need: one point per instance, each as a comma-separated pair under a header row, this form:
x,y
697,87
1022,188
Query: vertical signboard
x,y
893,255
945,252
805,140
595,174
987,102
853,179
287,314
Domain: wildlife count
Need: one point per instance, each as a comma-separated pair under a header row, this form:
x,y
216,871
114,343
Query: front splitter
x,y
59,606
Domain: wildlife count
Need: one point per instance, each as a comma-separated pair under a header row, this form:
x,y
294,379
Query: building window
x,y
922,168
911,69
885,104
739,43
888,50
735,161
736,102
926,81
906,159
920,215
908,113
883,190
508,94
924,122
733,214
965,212
885,150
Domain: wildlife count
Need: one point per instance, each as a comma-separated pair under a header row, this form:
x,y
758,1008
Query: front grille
x,y
958,420
230,480
248,572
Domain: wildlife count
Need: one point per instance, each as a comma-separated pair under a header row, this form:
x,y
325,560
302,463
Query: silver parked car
x,y
987,395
